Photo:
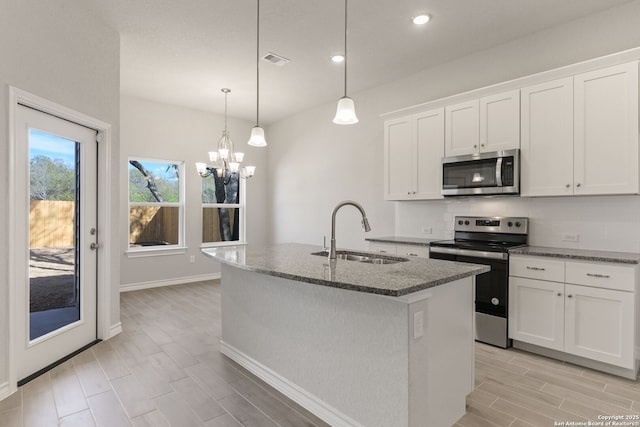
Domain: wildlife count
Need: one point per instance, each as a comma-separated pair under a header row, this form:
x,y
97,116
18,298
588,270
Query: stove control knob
x,y
495,301
466,223
518,224
460,222
510,224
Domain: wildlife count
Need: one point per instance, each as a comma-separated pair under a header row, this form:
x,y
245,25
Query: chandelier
x,y
225,161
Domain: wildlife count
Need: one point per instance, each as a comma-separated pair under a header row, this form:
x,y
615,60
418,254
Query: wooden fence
x,y
51,224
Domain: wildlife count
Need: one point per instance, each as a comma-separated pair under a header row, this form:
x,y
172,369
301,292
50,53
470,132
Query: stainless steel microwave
x,y
482,174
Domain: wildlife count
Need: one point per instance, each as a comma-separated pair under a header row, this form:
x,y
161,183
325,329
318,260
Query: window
x,y
223,205
156,205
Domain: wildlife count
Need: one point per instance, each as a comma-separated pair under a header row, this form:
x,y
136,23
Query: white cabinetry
x,y
580,134
400,249
414,147
581,308
491,123
606,131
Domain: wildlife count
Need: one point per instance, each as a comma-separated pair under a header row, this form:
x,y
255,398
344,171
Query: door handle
x,y
93,246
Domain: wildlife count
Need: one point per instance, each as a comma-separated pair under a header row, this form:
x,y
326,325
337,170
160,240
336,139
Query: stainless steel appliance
x,y
486,240
497,172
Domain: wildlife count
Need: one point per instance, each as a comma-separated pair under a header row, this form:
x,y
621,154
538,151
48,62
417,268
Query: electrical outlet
x,y
425,230
569,237
192,259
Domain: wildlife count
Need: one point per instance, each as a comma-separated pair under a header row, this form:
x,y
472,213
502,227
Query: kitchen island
x,y
356,343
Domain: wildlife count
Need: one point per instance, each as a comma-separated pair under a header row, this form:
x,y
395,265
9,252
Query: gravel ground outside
x,y
51,276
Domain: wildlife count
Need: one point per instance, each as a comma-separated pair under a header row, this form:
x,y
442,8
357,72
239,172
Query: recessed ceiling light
x,y
421,19
337,58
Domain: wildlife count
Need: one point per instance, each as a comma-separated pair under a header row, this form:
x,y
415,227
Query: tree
x,y
51,179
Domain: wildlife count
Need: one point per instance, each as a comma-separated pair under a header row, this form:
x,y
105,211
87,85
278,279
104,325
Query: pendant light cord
x,y
345,48
258,65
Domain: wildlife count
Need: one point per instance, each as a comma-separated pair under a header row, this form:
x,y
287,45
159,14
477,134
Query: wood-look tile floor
x,y
165,369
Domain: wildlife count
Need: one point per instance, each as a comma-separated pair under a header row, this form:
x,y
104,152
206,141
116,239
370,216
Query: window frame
x,y
242,216
174,249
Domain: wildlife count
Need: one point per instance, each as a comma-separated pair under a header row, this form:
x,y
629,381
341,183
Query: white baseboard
x,y
115,330
302,397
167,282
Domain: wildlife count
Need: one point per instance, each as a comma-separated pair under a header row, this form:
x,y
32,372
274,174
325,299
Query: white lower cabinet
x,y
536,312
587,309
400,249
599,324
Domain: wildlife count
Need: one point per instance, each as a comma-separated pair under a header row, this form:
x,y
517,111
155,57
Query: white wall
x,y
313,163
161,131
58,51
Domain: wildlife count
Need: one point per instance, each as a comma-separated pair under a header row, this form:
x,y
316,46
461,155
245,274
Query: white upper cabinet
x,y
462,123
500,121
491,123
414,147
398,155
580,134
606,131
546,161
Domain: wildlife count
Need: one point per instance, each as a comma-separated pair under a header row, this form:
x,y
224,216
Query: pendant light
x,y
346,111
257,133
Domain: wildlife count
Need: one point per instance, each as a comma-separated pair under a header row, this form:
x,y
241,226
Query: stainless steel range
x,y
486,240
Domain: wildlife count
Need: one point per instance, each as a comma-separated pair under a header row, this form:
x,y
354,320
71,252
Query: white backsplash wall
x,y
610,223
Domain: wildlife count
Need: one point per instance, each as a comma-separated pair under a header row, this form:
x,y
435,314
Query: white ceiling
x,y
184,51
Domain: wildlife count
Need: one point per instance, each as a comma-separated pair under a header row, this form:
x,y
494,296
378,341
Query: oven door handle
x,y
469,253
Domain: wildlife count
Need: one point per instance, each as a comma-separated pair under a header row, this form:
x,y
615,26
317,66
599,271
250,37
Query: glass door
x,y
57,207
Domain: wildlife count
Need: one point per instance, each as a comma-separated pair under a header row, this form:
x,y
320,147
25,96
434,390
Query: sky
x,y
55,147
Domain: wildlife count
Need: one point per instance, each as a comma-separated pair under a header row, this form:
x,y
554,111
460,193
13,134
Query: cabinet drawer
x,y
412,251
607,276
536,268
383,248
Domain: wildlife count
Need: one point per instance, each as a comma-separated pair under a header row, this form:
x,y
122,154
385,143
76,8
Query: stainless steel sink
x,y
362,257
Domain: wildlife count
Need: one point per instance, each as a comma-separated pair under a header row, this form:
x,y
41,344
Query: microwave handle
x,y
499,172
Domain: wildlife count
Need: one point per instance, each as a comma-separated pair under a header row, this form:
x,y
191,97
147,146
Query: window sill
x,y
222,244
155,251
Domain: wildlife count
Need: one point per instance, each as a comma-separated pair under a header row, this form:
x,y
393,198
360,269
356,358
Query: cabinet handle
x,y
568,185
600,276
411,254
569,296
536,268
578,185
559,294
382,251
481,145
475,146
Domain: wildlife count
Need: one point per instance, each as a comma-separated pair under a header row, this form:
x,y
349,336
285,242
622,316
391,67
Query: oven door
x,y
492,292
481,174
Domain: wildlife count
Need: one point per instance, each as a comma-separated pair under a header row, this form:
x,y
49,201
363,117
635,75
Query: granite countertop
x,y
419,241
296,262
578,254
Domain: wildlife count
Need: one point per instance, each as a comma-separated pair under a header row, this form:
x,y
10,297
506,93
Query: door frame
x,y
104,277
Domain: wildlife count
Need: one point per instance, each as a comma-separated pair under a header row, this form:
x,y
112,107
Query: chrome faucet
x,y
365,224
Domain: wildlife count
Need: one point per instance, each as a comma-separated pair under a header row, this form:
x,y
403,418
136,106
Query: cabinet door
x,y
430,150
536,312
599,324
606,131
399,159
547,139
500,121
462,134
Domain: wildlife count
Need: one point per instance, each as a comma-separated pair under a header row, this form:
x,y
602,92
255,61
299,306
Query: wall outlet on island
x,y
425,230
192,259
569,237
